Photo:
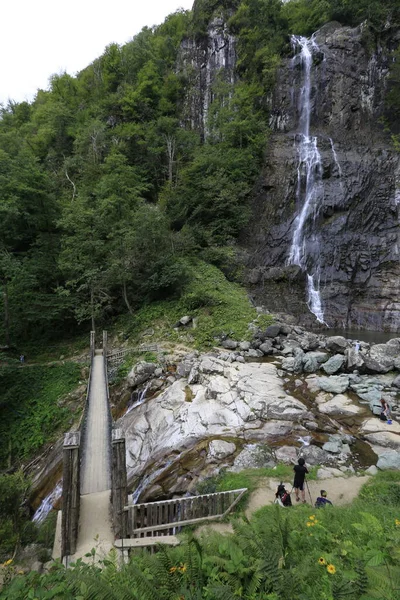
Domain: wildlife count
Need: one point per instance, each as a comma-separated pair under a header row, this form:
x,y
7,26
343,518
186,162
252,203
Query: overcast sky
x,y
41,37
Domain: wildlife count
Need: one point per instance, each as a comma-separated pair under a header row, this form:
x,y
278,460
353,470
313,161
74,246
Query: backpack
x,y
282,496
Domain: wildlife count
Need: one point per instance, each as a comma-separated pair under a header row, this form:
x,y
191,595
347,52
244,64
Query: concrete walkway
x,y
95,473
95,530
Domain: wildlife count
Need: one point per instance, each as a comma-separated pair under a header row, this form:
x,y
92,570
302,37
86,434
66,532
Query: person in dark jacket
x,y
300,472
322,500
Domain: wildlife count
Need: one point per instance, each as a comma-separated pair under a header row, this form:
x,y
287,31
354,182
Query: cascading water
x,y
47,504
304,249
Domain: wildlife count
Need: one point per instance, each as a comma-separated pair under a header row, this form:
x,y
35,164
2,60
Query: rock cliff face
x,y
202,61
354,230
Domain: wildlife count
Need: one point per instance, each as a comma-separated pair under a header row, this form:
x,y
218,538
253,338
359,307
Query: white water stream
x,y
47,504
309,191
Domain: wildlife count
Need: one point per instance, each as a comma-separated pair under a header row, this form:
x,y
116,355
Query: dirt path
x,y
340,490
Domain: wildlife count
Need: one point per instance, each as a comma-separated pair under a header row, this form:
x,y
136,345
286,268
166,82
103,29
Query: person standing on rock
x,y
385,412
300,472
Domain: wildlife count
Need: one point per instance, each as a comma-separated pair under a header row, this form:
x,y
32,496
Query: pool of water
x,y
372,337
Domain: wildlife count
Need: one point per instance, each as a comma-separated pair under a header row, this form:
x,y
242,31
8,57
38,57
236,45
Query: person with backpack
x,y
300,472
322,500
282,497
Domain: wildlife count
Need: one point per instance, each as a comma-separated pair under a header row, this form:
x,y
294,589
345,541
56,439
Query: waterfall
x,y
335,158
309,184
47,504
140,400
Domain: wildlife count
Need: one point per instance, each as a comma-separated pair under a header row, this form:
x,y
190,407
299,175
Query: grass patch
x,y
31,413
220,307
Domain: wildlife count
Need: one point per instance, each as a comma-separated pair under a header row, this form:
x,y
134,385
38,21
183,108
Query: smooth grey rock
x,y
244,345
314,455
141,373
354,360
240,359
185,320
266,347
288,364
372,365
253,456
339,405
336,344
335,384
332,447
389,460
219,449
229,344
310,363
286,454
396,382
372,470
334,364
254,353
324,474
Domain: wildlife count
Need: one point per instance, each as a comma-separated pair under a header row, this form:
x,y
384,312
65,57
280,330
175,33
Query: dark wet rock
x,y
266,347
356,232
272,331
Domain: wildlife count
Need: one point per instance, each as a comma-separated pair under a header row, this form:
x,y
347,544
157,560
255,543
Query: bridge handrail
x,y
166,515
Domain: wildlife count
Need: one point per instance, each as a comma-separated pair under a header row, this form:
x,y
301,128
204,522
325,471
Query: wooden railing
x,y
168,516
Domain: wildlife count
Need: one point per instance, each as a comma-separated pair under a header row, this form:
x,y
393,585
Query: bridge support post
x,y
119,486
71,493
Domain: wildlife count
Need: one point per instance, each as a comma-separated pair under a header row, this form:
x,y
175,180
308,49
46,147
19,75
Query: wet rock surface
x,y
356,224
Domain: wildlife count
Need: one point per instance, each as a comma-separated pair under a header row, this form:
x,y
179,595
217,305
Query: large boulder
x,y
354,360
386,439
272,331
335,384
141,373
336,344
334,364
220,449
389,460
229,344
339,405
313,360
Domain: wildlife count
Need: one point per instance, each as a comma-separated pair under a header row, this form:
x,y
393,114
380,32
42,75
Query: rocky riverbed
x,y
252,404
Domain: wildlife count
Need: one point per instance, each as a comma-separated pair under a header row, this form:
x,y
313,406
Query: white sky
x,y
41,37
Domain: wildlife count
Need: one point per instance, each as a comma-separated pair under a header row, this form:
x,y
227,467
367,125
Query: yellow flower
x,y
309,524
312,518
316,521
321,560
331,569
182,568
8,562
173,569
397,523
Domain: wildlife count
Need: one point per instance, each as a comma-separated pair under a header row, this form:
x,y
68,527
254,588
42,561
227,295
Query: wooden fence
x,y
168,516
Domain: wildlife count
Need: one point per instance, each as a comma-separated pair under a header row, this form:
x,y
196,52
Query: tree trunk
x,y
6,314
125,297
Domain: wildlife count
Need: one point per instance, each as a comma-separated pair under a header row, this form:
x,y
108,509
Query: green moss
x,y
218,306
30,407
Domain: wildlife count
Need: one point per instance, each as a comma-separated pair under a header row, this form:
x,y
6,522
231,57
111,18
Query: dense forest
x,y
107,195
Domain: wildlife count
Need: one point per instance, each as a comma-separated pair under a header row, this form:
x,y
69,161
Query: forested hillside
x,y
107,194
